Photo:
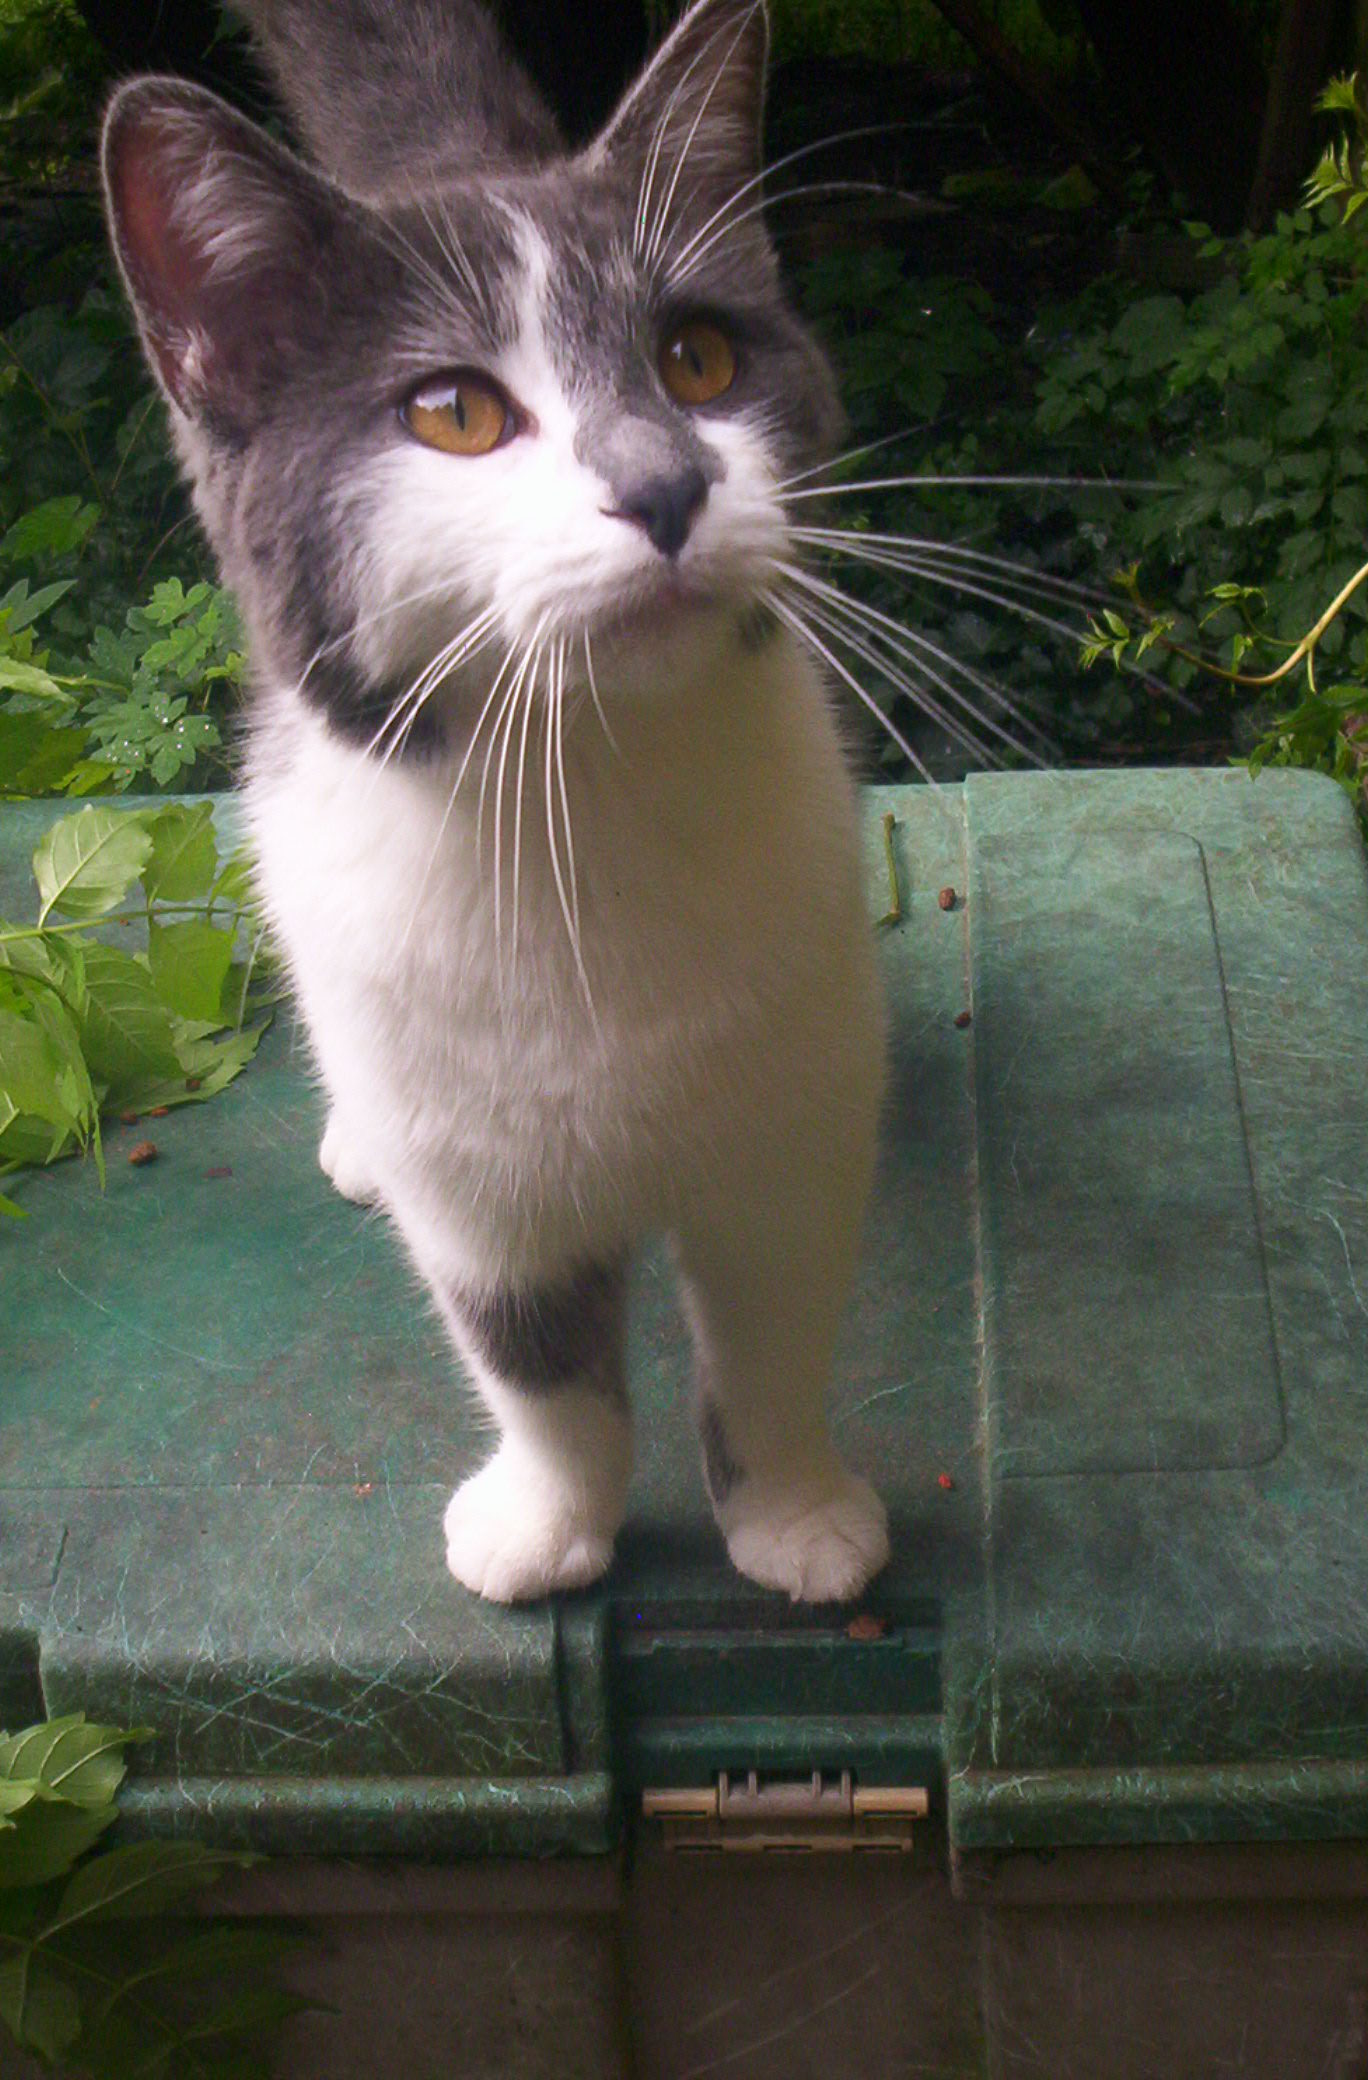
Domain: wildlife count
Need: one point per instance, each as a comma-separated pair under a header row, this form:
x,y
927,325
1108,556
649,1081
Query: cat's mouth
x,y
655,605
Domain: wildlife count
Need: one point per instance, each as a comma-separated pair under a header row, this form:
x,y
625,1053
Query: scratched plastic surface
x,y
1107,1360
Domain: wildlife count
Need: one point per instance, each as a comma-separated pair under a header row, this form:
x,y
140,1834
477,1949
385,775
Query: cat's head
x,y
544,402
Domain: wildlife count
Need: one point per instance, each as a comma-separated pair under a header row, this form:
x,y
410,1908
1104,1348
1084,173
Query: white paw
x,y
820,1547
509,1537
341,1168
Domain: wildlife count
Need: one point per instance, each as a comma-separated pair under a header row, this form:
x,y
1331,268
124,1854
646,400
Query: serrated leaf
x,y
184,854
40,2008
143,1878
189,963
126,1030
70,1757
51,529
87,863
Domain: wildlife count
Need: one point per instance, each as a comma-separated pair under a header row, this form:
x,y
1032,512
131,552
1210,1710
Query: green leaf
x,y
54,528
126,1030
48,1838
11,1212
87,862
40,2007
70,1757
189,963
184,854
142,1879
34,1070
19,676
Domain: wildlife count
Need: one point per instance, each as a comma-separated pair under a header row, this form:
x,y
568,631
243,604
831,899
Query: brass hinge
x,y
793,1813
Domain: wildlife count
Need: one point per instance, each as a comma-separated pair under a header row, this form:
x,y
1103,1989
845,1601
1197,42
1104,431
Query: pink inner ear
x,y
168,271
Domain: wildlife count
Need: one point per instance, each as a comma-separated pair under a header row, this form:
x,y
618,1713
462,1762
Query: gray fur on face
x,y
288,320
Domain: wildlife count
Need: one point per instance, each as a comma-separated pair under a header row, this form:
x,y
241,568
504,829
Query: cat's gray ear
x,y
690,126
221,236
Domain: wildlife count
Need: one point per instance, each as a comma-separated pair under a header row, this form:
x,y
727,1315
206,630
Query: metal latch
x,y
794,1813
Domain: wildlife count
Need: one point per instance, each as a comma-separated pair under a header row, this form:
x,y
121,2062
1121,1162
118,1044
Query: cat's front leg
x,y
345,1170
547,1357
765,1283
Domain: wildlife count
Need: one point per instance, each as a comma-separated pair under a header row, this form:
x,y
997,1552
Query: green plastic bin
x,y
1080,1788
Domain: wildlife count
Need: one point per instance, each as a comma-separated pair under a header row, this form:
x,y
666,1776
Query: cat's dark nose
x,y
665,508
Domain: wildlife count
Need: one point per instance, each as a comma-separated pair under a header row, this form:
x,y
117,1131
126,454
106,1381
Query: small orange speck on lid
x,y
945,1480
963,1018
866,1626
145,1152
946,899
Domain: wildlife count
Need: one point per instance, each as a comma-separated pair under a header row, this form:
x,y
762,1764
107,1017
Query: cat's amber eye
x,y
461,415
697,362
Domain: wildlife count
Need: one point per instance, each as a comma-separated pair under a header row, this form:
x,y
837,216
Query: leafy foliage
x,y
95,695
88,1028
103,1968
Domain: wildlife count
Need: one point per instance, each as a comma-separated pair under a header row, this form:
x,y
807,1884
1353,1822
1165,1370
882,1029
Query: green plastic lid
x,y
1107,1362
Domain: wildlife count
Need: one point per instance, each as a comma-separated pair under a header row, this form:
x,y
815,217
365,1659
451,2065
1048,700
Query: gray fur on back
x,y
392,99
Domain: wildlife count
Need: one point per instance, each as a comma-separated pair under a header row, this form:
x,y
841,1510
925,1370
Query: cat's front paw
x,y
341,1168
819,1542
509,1538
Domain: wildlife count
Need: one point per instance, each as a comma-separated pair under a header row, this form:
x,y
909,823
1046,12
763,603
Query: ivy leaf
x,y
189,963
87,863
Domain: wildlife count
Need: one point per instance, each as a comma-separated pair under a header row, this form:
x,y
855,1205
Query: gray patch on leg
x,y
720,1469
542,1337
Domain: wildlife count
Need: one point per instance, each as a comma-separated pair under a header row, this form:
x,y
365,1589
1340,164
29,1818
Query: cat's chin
x,y
672,607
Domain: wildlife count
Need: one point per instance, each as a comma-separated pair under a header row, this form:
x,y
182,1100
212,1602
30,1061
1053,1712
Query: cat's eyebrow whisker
x,y
594,695
652,252
756,180
877,645
916,648
680,269
644,228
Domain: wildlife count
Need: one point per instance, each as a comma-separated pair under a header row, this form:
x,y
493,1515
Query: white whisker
x,y
652,252
862,640
497,681
915,647
1025,575
594,695
738,194
793,620
931,482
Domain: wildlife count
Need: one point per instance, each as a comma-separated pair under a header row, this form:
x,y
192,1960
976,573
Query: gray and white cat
x,y
552,815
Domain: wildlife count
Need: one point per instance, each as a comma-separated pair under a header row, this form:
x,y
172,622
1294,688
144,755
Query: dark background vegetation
x,y
1067,242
